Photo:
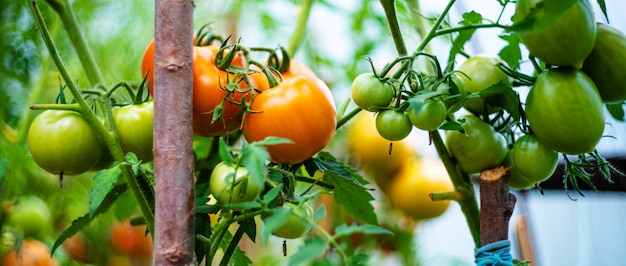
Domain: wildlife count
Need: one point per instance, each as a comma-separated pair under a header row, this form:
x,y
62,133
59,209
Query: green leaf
x,y
83,221
224,152
278,217
602,5
202,147
469,18
249,228
452,125
326,161
503,96
511,53
540,16
368,229
311,249
359,259
105,180
355,198
272,194
125,205
239,257
616,110
254,158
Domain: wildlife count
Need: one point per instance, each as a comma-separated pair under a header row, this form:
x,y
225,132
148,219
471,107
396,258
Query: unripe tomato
x,y
430,115
30,215
516,181
479,148
134,126
229,185
481,72
533,160
129,240
606,63
295,68
565,42
62,141
31,253
298,223
565,111
208,81
380,158
410,190
369,93
302,109
393,125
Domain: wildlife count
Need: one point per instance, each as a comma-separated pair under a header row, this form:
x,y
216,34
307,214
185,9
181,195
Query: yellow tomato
x,y
372,153
410,190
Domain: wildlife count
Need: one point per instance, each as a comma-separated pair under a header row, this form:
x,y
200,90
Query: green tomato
x,y
565,42
565,111
606,63
533,160
429,116
31,215
393,125
481,72
516,181
298,223
229,185
134,126
479,148
455,89
61,141
369,93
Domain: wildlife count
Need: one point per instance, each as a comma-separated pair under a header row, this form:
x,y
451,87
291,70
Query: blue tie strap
x,y
494,254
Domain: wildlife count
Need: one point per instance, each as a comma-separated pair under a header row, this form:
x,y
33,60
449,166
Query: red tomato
x,y
301,109
208,92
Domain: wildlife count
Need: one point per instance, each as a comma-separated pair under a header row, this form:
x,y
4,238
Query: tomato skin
x,y
565,111
221,185
31,215
480,72
430,115
32,253
301,109
62,141
134,127
393,125
295,226
410,189
565,42
480,148
369,93
533,160
606,63
208,81
129,240
372,153
516,180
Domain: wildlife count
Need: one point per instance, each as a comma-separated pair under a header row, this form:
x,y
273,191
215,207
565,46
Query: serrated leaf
x,y
86,219
469,18
368,229
616,111
503,96
355,198
541,16
272,194
511,53
239,257
326,161
105,180
254,158
311,249
274,221
249,228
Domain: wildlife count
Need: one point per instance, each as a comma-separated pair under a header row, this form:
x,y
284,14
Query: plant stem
x,y
433,31
298,33
109,139
66,12
347,117
53,106
390,12
467,27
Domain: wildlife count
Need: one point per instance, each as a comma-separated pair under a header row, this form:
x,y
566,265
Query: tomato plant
x,y
62,141
230,185
410,189
134,126
480,147
393,125
302,109
565,111
567,41
210,90
370,93
31,253
31,215
430,115
533,160
606,62
298,223
479,72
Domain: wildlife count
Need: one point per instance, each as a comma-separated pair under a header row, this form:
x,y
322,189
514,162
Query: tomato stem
x,y
298,33
343,120
54,106
390,12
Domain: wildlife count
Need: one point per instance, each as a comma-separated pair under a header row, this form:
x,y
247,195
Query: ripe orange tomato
x,y
295,68
410,190
208,92
32,253
302,109
131,240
